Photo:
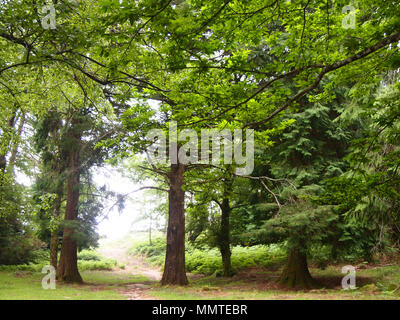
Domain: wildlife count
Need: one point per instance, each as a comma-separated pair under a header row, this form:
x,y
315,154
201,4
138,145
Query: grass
x,y
377,283
110,278
374,283
28,286
256,283
99,285
251,282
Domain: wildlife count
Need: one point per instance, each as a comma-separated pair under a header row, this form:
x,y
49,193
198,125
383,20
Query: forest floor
x,y
133,266
373,282
140,281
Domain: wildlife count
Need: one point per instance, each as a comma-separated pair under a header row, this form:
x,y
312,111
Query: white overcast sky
x,y
118,224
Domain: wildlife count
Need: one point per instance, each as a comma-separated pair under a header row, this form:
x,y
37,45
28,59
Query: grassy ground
x,y
137,280
372,283
99,285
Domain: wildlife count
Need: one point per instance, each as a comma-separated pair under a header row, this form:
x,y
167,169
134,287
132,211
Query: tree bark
x,y
68,267
3,163
174,268
54,235
296,273
54,249
224,240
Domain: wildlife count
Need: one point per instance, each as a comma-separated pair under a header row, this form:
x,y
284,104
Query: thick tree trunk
x,y
68,267
174,268
224,242
296,273
54,249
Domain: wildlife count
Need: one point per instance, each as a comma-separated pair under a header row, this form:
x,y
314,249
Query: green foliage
x,y
88,255
87,260
208,261
17,239
367,194
301,223
155,253
104,264
18,248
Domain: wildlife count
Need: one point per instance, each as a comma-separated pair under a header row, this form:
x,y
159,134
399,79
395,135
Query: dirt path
x,y
133,266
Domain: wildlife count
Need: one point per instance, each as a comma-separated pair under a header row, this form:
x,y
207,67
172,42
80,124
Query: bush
x,y
89,255
208,261
87,260
18,248
104,264
157,248
41,256
22,267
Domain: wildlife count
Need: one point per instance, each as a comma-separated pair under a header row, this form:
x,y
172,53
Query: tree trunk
x,y
54,249
174,268
54,234
224,239
68,267
296,273
3,163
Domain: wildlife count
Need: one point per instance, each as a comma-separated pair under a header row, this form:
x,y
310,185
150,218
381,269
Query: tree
x,y
240,64
215,185
366,195
198,89
301,224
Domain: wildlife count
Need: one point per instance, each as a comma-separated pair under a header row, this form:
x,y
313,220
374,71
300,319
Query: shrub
x,y
22,267
208,261
41,256
157,248
87,260
104,264
89,255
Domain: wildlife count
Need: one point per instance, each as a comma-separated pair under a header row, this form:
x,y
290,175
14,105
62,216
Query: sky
x,y
117,224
